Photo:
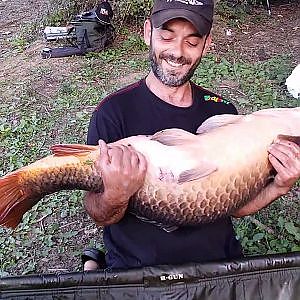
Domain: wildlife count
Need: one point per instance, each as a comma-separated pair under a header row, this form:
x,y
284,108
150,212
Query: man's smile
x,y
173,64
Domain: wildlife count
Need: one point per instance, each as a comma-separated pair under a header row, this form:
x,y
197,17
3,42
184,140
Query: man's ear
x,y
147,32
207,44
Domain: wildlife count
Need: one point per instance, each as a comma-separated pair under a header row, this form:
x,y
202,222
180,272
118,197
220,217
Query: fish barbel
x,y
190,179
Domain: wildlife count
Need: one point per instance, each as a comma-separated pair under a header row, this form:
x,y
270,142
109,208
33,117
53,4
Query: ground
x,y
45,101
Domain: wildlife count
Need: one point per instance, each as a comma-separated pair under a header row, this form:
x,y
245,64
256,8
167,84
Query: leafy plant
x,y
133,9
257,85
260,240
19,43
62,11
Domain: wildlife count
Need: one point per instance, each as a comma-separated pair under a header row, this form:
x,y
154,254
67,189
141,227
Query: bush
x,y
62,11
133,10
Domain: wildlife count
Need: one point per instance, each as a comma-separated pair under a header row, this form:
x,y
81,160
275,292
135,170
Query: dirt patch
x,y
14,16
28,69
261,36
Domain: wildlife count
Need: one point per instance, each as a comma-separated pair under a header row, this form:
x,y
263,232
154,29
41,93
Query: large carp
x,y
190,178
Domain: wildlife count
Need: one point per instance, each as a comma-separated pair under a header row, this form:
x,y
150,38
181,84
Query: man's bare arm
x,y
103,209
285,158
123,171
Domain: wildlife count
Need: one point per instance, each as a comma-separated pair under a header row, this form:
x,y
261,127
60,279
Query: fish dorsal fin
x,y
290,138
218,121
173,137
275,112
72,149
205,169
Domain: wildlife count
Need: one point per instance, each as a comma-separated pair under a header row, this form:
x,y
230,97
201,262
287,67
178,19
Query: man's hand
x,y
123,172
285,158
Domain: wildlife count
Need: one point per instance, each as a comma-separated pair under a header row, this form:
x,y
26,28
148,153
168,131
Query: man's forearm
x,y
102,210
263,199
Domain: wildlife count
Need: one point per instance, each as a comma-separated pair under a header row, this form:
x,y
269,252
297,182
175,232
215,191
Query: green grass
x,y
26,35
259,85
30,123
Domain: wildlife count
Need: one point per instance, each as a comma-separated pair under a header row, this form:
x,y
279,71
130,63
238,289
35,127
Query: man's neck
x,y
179,96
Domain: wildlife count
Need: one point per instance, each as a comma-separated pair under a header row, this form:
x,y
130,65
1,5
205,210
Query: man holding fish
x,y
178,34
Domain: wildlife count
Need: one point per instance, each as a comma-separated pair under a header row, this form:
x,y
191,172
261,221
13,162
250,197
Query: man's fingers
x,y
126,157
289,146
117,156
277,165
134,158
284,153
121,159
142,162
285,158
104,156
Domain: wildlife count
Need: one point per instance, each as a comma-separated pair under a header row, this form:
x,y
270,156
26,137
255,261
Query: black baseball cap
x,y
198,12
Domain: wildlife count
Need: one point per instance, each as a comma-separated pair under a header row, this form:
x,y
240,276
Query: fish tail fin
x,y
294,139
14,201
72,149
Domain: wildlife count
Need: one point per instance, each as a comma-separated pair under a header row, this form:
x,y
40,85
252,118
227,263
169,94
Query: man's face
x,y
175,51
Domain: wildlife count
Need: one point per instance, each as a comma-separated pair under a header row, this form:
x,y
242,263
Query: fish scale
x,y
181,209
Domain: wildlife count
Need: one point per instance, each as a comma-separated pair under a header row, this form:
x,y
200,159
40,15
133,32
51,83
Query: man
x,y
178,33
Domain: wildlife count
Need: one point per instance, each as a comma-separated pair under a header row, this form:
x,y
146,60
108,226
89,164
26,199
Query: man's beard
x,y
168,77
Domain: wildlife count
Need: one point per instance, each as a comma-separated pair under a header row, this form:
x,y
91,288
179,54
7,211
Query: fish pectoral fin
x,y
173,137
193,174
290,138
218,121
72,149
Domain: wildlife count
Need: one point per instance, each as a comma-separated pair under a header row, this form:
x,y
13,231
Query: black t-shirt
x,y
132,242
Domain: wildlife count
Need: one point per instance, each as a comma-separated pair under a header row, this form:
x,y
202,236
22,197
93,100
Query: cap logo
x,y
104,11
190,2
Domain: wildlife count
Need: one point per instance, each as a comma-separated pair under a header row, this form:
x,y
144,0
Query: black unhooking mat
x,y
274,277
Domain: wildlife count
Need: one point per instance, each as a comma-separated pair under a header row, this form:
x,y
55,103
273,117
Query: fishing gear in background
x,y
90,31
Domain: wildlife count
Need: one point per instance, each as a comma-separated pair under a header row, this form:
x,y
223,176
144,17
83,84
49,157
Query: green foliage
x,y
62,11
57,18
35,237
133,43
232,14
235,12
282,238
19,43
133,9
257,85
26,35
27,129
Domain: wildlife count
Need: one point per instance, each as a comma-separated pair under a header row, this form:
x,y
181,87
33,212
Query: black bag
x,y
93,29
93,32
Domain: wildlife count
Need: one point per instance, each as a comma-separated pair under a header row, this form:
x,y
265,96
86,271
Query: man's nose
x,y
178,49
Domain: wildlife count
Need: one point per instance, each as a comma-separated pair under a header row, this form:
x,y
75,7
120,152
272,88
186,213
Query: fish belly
x,y
203,200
